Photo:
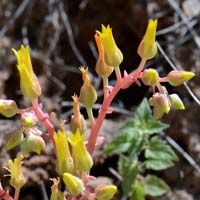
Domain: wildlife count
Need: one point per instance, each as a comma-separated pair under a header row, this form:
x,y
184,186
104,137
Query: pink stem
x,y
106,103
4,194
44,118
16,197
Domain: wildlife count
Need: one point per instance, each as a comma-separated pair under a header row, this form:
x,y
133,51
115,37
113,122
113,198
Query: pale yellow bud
x,y
175,102
8,108
150,77
73,184
82,159
102,68
29,84
105,192
88,94
177,78
64,158
147,48
77,120
17,178
113,55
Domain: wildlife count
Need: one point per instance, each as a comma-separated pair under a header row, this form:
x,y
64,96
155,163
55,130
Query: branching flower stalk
x,y
73,153
108,98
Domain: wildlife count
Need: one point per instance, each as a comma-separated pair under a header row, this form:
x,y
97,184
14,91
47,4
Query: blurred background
x,y
60,34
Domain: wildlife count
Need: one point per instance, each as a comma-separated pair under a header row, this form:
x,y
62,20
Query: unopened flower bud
x,y
73,184
29,84
160,103
56,194
150,77
64,160
147,48
113,55
176,78
175,102
105,192
17,178
8,108
28,119
77,120
32,143
88,94
15,139
82,159
102,68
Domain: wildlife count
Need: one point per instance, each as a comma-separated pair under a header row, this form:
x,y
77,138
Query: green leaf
x,y
128,127
143,112
158,164
15,139
155,186
144,121
154,126
129,171
136,144
138,193
120,144
159,154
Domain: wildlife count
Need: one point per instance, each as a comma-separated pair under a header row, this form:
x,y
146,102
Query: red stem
x,y
44,118
106,103
16,197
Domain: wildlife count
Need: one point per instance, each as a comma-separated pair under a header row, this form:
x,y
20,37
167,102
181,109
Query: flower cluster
x,y
73,153
161,101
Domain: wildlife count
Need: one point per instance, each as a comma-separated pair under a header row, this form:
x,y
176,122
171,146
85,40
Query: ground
x,y
61,37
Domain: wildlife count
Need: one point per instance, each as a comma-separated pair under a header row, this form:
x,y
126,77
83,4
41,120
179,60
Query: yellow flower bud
x,y
105,192
82,159
32,143
150,77
64,159
73,184
77,120
113,55
176,78
8,108
88,94
56,194
102,68
28,119
17,178
160,103
147,48
29,84
175,102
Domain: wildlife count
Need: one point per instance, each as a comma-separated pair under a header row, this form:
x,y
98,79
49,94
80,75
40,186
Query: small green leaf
x,y
129,171
143,120
138,193
143,112
159,154
159,149
15,139
158,164
119,145
155,126
128,127
155,186
136,144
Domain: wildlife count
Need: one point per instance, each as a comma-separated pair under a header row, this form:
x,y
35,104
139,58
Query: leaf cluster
x,y
139,138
